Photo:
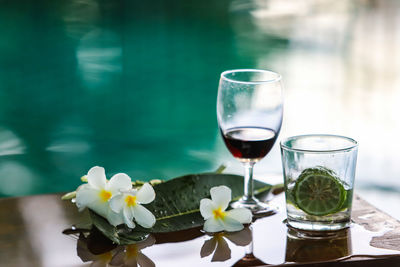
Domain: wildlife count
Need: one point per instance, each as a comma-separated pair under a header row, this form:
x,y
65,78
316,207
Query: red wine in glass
x,y
249,113
249,143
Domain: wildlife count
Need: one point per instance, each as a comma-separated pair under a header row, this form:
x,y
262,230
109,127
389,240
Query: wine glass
x,y
249,111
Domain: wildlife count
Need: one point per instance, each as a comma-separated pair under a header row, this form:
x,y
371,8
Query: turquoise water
x,y
127,85
132,85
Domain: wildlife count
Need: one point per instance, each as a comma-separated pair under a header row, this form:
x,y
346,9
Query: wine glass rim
x,y
352,143
277,77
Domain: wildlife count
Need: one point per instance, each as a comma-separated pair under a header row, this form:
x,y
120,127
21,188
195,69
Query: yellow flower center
x,y
131,251
105,195
130,201
219,214
105,257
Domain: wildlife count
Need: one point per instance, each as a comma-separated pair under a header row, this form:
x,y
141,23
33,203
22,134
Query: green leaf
x,y
176,206
177,202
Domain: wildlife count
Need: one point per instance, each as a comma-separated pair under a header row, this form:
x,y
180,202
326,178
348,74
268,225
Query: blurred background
x,y
131,86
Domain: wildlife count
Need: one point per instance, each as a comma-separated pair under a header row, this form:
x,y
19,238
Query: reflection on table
x,y
304,246
31,234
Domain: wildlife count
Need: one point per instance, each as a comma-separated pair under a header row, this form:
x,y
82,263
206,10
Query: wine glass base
x,y
257,207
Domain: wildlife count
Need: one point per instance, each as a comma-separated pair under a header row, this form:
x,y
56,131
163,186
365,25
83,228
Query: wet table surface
x,y
31,234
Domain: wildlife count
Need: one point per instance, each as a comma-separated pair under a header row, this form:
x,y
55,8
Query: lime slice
x,y
319,192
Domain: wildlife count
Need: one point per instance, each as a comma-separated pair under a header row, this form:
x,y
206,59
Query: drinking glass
x,y
249,111
319,171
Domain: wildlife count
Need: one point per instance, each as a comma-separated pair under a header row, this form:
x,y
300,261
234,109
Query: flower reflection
x,y
86,253
131,255
97,249
220,247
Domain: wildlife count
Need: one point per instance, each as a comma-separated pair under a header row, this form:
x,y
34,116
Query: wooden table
x,y
31,235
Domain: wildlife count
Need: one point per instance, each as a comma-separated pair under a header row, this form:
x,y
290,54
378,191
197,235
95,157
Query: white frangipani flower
x,y
217,219
97,193
129,203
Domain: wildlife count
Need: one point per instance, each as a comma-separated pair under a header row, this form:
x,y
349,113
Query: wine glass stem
x,y
248,180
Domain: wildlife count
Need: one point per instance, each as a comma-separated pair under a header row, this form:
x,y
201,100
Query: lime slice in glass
x,y
319,192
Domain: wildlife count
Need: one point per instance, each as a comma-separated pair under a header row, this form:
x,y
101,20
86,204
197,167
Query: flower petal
x,y
114,218
231,225
97,177
101,208
128,217
128,212
146,194
118,182
208,247
221,196
212,225
117,202
241,215
143,216
85,195
206,208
